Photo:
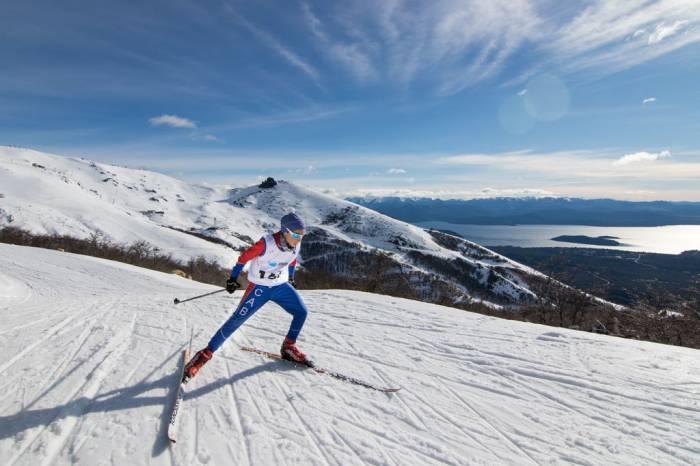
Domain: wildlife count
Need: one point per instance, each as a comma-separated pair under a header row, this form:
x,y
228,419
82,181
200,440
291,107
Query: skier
x,y
271,275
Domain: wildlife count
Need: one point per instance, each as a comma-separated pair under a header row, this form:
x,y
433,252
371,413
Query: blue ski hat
x,y
292,221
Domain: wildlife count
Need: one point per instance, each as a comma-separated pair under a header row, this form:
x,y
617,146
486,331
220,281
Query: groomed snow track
x,y
90,352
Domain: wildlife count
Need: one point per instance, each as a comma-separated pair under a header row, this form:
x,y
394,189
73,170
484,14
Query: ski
x,y
321,370
177,406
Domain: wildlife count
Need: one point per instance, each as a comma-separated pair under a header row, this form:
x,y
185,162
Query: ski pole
x,y
177,301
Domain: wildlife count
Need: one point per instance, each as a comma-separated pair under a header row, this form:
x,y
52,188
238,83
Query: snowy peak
x,y
340,216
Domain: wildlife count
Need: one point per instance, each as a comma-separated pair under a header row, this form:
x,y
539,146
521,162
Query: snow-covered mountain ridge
x,y
45,193
91,351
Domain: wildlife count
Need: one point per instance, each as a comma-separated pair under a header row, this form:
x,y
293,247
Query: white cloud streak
x,y
351,55
283,118
441,46
663,31
173,121
285,52
396,171
454,44
608,36
642,157
649,100
578,165
451,43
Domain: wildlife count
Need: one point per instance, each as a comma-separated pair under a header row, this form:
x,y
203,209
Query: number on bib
x,y
270,276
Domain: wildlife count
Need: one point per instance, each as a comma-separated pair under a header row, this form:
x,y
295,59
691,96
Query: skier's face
x,y
293,237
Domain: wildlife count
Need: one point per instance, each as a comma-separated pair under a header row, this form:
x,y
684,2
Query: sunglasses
x,y
294,235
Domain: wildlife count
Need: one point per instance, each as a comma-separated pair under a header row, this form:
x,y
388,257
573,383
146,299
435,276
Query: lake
x,y
672,239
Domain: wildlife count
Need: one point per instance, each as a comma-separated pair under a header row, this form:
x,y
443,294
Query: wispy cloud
x,y
285,52
582,164
441,46
307,170
396,171
197,136
470,41
649,100
663,31
642,157
173,121
458,43
351,55
610,36
450,43
313,113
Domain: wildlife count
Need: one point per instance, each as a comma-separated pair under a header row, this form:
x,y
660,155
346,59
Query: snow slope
x,y
91,350
362,229
44,193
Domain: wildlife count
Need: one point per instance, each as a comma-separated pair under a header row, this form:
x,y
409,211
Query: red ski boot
x,y
200,359
290,352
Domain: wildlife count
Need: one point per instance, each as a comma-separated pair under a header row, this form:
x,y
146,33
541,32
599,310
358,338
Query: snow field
x,y
91,350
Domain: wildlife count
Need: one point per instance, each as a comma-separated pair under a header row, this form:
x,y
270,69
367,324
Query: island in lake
x,y
582,239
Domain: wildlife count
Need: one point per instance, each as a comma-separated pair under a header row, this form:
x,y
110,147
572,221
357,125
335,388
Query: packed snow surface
x,y
91,351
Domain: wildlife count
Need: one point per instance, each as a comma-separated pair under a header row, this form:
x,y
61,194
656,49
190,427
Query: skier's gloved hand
x,y
232,285
293,282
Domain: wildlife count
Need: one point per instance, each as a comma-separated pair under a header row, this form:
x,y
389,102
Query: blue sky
x,y
442,98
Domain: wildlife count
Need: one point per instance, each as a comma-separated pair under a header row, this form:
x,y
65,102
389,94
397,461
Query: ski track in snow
x,y
92,351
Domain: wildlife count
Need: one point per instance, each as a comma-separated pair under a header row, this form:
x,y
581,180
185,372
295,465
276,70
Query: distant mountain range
x,y
536,211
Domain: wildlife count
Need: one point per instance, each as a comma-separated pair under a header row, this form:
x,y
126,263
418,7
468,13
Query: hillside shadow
x,y
131,397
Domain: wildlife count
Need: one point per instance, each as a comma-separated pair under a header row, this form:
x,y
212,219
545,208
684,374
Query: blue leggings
x,y
255,296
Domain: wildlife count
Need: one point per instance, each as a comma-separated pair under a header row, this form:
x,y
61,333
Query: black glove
x,y
293,282
232,285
